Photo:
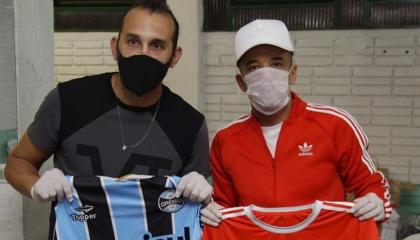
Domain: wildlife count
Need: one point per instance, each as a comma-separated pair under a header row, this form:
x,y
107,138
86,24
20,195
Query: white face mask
x,y
268,89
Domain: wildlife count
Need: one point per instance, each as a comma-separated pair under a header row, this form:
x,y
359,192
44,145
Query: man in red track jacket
x,y
288,152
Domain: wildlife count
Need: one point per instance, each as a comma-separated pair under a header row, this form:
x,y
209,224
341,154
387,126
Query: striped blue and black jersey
x,y
138,208
81,122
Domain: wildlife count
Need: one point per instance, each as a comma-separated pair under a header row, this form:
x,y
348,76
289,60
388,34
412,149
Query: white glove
x,y
211,214
194,187
52,186
369,206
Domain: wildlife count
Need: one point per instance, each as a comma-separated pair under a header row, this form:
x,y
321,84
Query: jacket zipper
x,y
274,164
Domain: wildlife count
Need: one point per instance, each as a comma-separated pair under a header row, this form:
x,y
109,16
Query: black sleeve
x,y
199,160
43,131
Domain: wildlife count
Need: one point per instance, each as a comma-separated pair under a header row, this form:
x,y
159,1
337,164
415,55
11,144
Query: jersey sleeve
x,y
357,168
224,191
199,160
43,131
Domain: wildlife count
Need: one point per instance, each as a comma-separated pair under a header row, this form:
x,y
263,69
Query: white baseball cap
x,y
262,31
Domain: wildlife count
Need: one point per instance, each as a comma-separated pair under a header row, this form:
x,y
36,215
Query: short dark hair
x,y
158,6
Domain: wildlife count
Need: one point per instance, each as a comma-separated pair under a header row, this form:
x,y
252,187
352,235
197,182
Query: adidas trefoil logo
x,y
305,150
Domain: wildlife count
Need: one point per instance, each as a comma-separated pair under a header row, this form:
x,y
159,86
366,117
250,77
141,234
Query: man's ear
x,y
241,83
293,75
114,47
175,58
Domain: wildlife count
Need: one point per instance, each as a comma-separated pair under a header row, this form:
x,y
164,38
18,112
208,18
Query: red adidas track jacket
x,y
321,154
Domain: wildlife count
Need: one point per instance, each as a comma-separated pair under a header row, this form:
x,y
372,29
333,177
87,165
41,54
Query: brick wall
x,y
81,54
373,74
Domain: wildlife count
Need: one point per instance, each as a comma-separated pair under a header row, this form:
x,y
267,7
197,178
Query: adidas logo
x,y
305,150
84,214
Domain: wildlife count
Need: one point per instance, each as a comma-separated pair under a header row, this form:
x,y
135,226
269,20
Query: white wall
x,y
373,74
8,119
184,79
34,75
11,217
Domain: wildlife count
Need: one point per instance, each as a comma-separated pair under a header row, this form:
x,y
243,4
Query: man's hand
x,y
211,214
194,187
52,186
369,206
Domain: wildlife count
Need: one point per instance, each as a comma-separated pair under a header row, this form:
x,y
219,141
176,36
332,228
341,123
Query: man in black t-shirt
x,y
114,124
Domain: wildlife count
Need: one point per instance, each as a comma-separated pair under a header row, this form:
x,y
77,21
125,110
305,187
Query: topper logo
x,y
84,214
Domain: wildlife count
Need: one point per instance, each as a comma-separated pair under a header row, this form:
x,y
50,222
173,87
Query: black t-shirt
x,y
78,123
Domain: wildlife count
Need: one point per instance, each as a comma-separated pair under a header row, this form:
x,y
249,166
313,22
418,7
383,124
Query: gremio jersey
x,y
317,221
135,207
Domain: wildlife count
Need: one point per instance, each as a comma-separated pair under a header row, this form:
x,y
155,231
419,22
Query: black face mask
x,y
141,73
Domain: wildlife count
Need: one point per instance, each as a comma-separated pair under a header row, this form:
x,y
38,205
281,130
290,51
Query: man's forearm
x,y
21,174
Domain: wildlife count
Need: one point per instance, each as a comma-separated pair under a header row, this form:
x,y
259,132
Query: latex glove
x,y
52,186
194,187
369,206
211,214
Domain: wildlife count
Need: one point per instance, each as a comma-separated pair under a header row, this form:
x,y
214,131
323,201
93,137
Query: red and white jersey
x,y
317,221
